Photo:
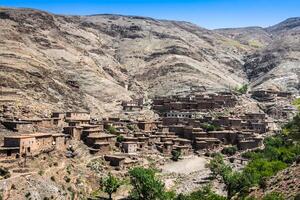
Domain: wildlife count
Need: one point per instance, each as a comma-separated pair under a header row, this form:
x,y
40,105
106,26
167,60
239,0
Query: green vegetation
x,y
130,127
296,103
269,196
279,152
231,150
210,127
175,155
147,186
292,129
120,138
202,194
112,130
110,184
242,89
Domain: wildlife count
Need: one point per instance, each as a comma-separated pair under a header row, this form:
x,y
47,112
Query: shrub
x,y
229,150
175,155
110,184
120,138
273,196
146,185
112,130
204,194
242,89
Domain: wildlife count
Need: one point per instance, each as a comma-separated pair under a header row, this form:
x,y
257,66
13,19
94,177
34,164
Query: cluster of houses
x,y
194,102
180,127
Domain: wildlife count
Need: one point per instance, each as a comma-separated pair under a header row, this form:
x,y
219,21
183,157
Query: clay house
x,y
184,150
58,118
59,141
174,114
146,126
27,144
100,147
206,143
249,143
133,105
18,126
74,131
81,117
129,147
92,139
115,160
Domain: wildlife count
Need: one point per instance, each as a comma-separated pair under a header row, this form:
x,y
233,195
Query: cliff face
x,y
58,62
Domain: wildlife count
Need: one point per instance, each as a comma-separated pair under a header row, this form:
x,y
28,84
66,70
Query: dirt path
x,y
185,166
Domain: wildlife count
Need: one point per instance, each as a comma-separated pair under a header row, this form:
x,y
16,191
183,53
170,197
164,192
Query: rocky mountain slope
x,y
54,62
275,64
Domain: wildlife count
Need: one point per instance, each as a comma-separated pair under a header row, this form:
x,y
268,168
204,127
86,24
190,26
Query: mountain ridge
x,y
85,62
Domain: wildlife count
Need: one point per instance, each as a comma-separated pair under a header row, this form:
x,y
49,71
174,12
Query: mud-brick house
x,y
92,139
59,141
129,147
58,118
18,126
146,126
206,143
184,150
100,148
81,117
40,123
115,160
27,144
74,131
249,143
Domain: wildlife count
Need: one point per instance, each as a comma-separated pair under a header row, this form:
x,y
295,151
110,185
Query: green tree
x,y
175,154
204,193
147,186
110,184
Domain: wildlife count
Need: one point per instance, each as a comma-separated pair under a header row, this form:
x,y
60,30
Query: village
x,y
194,125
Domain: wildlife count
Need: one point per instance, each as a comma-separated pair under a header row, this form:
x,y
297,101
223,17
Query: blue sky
x,y
206,13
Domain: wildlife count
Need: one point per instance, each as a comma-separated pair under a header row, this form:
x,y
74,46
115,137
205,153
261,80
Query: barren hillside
x,y
53,62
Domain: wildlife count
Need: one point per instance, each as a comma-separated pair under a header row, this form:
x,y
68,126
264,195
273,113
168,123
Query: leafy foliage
x,y
147,186
242,89
120,138
112,130
203,194
231,150
175,155
209,127
110,185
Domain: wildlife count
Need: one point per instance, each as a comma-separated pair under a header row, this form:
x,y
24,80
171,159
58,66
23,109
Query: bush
x,y
110,185
202,194
242,89
209,127
146,185
130,127
175,155
120,138
229,150
273,196
112,130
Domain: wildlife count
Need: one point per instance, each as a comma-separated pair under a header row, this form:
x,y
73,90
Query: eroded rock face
x,y
59,62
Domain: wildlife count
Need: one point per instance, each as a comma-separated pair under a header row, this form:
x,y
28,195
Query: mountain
x,y
54,62
275,62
